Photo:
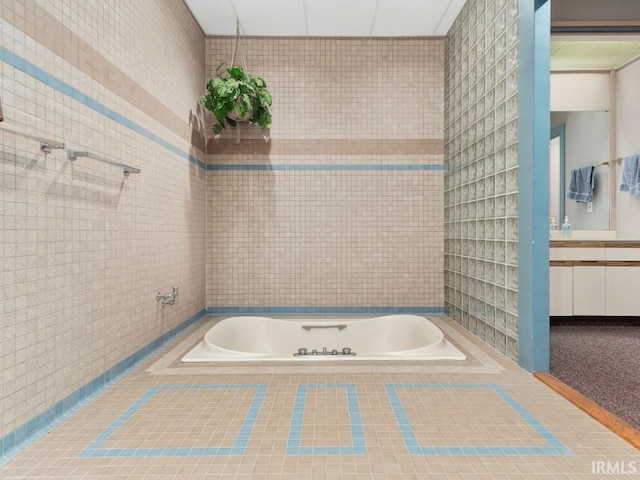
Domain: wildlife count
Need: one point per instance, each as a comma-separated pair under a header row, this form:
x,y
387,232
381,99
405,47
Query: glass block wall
x,y
481,180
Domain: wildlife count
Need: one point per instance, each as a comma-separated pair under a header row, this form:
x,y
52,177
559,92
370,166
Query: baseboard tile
x,y
28,432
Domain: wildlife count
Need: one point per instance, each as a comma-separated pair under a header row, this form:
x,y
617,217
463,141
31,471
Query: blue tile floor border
x,y
555,447
284,311
29,432
95,449
358,446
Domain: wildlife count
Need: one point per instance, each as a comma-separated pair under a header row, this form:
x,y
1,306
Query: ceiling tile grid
x,y
327,18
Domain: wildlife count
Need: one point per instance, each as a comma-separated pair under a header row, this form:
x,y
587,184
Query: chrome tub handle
x,y
341,326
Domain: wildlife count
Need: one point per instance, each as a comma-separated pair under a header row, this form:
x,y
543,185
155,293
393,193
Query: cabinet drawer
x,y
576,254
629,254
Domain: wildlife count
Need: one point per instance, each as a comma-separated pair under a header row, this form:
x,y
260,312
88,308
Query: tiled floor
x,y
482,418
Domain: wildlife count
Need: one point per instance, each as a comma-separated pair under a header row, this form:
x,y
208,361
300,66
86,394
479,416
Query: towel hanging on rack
x,y
631,174
581,184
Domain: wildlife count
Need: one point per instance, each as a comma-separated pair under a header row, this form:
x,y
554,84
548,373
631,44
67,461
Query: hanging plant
x,y
238,97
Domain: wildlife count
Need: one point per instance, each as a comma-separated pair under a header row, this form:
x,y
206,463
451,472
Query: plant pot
x,y
237,118
234,115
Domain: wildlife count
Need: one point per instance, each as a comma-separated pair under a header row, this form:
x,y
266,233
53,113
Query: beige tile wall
x,y
83,249
332,238
336,89
325,239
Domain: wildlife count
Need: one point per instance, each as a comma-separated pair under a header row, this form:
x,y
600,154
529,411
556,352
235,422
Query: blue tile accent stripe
x,y
11,444
342,167
95,450
358,446
41,75
555,446
20,63
284,311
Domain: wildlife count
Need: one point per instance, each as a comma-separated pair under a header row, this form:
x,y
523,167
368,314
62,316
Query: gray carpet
x,y
601,360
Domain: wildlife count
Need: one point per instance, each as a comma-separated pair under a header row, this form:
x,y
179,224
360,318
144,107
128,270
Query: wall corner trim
x,y
533,184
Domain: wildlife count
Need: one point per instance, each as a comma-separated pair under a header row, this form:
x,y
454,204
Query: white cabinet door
x,y
623,291
560,291
589,290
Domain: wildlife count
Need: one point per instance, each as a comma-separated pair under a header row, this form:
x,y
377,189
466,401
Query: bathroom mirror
x,y
579,139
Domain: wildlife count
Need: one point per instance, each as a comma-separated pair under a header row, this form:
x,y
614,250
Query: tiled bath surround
x,y
345,220
84,249
338,220
481,194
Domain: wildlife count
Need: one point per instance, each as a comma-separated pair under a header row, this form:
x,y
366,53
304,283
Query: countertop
x,y
585,243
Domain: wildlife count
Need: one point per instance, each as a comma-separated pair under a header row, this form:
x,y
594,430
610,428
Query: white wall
x,y
628,142
583,92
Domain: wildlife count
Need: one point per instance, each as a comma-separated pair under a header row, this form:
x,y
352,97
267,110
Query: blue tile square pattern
x,y
358,446
96,450
555,447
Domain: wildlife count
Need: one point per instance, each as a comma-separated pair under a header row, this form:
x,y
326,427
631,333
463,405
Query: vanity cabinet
x,y
594,278
623,281
622,293
560,282
588,289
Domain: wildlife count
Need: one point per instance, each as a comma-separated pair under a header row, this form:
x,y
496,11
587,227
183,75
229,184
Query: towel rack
x,y
617,160
127,169
45,145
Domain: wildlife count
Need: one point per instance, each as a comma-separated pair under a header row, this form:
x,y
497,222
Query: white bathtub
x,y
392,337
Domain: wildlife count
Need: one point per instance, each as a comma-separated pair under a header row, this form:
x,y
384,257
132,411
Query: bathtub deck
x,y
482,418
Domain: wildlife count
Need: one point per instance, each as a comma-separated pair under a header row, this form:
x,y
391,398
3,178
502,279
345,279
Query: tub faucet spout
x,y
168,298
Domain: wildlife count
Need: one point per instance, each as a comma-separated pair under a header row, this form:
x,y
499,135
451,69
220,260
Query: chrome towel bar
x,y
73,155
45,145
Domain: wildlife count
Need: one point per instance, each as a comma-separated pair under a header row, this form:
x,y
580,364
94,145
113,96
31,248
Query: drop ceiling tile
x,y
216,17
408,17
340,18
449,16
272,18
327,18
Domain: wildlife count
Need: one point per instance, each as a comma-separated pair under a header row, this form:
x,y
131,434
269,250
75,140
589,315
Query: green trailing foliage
x,y
238,95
